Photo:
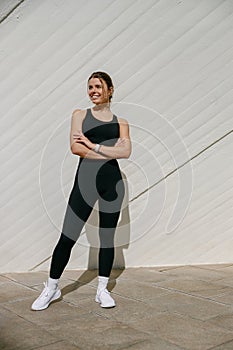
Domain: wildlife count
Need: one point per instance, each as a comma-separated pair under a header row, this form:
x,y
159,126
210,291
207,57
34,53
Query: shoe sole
x,y
97,300
56,296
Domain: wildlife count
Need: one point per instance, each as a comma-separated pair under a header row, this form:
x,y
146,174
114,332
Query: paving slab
x,y
60,345
196,273
138,290
154,343
225,346
186,332
83,276
214,266
57,313
28,278
225,297
225,281
223,321
17,333
195,287
185,304
3,279
148,275
74,292
96,332
13,291
227,269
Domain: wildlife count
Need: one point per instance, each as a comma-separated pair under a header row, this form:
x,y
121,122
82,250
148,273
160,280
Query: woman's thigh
x,y
79,207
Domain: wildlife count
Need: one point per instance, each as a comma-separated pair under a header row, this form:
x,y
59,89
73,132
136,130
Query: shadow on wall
x,y
122,241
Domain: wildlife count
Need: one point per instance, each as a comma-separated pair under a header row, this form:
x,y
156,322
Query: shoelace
x,y
104,291
45,292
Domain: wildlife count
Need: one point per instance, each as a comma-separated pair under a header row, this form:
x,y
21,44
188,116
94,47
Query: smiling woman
x,y
99,138
100,90
100,87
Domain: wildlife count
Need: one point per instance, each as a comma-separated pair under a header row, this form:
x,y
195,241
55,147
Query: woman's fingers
x,y
78,136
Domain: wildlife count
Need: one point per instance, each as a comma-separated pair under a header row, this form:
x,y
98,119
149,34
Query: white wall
x,y
7,7
171,62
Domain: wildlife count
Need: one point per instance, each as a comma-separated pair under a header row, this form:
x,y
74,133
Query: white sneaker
x,y
105,299
46,297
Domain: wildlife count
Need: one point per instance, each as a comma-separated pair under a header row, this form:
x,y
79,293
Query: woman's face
x,y
98,91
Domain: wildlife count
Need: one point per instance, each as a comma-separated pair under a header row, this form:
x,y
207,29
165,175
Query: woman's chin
x,y
98,104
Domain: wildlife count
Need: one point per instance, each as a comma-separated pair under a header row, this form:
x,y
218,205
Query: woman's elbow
x,y
73,149
76,150
127,153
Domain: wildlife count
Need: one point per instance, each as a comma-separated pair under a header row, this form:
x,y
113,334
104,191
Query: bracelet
x,y
96,148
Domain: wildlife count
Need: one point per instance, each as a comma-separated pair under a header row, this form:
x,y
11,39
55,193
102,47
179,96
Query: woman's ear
x,y
111,90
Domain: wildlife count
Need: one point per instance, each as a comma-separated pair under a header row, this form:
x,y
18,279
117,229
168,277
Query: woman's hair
x,y
102,76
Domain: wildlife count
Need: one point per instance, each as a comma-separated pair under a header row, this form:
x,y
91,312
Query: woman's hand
x,y
79,137
120,142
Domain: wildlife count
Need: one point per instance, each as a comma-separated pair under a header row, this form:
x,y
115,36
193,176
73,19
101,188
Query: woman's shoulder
x,y
122,120
80,113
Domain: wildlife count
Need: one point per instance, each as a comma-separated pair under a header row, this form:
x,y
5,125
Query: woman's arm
x,y
81,149
121,149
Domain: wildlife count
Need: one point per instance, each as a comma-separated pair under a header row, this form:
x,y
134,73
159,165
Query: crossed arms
x,y
82,146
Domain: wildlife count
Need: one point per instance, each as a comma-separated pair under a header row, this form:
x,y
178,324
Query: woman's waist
x,y
89,166
93,170
112,162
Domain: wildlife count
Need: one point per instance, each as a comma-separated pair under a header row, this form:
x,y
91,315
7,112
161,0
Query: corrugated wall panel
x,y
171,62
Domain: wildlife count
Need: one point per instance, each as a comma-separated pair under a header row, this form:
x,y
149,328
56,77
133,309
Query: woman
x,y
98,137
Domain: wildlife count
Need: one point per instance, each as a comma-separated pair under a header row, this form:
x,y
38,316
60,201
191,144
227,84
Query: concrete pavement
x,y
164,308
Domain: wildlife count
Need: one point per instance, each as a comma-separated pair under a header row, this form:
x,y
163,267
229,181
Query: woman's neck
x,y
103,107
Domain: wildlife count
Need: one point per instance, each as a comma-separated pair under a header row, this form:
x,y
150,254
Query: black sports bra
x,y
97,131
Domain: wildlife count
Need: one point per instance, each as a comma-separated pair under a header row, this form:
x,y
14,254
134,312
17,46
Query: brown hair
x,y
103,76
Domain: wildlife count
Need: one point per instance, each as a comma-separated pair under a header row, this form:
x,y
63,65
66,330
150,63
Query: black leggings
x,y
94,181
